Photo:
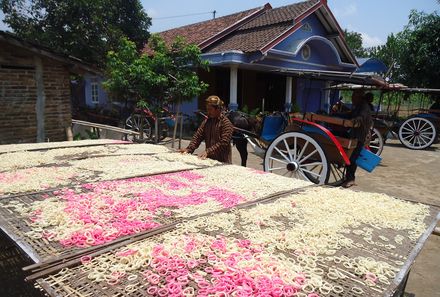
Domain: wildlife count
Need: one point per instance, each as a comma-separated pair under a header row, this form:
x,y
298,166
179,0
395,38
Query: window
x,y
306,52
94,92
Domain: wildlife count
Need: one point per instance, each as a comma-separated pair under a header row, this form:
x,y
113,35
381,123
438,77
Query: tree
x,y
354,41
168,75
420,58
414,51
389,53
84,29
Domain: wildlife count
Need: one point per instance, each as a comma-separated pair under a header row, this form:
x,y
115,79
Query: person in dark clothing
x,y
369,97
362,120
239,120
216,131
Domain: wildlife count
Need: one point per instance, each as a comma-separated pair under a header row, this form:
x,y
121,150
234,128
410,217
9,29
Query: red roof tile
x,y
278,15
199,32
256,32
250,40
261,30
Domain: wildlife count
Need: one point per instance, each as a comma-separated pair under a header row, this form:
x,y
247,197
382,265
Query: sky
x,y
374,19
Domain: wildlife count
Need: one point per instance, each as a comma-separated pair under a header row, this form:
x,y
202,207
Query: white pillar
x,y
288,101
233,88
326,102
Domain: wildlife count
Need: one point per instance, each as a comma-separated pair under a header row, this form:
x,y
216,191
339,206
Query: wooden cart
x,y
308,149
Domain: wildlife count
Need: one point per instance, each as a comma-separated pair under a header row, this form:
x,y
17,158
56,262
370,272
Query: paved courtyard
x,y
407,174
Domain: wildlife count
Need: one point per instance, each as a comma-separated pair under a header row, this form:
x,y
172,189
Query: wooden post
x,y
176,121
41,99
69,133
181,131
156,129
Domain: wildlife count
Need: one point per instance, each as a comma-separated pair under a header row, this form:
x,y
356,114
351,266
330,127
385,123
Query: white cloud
x,y
348,10
369,41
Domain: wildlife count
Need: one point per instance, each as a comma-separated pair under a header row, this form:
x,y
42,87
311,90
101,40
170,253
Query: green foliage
x,y
92,135
415,51
77,136
84,29
354,41
420,60
252,112
168,75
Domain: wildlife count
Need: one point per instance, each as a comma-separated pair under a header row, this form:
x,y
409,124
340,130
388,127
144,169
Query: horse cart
x,y
418,129
305,146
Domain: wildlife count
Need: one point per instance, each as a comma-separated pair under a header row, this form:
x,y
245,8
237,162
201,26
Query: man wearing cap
x,y
216,131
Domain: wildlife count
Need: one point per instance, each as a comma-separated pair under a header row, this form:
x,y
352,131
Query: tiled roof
x,y
260,31
278,15
199,32
256,32
250,40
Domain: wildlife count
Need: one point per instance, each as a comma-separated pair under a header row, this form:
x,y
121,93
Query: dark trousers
x,y
241,144
351,169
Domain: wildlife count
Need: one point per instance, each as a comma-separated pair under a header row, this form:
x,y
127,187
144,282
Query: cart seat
x,y
272,127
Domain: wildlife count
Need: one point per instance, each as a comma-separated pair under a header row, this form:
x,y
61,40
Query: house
x,y
35,94
371,65
90,92
271,58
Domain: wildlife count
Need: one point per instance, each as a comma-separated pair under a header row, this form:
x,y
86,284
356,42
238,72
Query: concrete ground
x,y
408,174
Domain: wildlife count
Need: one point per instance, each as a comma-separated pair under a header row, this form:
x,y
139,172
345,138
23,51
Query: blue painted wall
x,y
102,94
290,43
324,55
310,94
188,108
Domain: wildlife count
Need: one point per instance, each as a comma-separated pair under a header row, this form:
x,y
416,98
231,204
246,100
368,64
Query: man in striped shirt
x,y
216,131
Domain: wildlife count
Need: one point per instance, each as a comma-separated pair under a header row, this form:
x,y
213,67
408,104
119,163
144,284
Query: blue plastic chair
x,y
272,127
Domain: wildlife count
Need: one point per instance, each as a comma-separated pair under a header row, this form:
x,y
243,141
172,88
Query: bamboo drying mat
x,y
60,156
75,282
88,175
41,250
9,148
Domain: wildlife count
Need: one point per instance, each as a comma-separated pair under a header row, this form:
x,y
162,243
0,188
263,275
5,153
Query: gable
x,y
311,26
310,44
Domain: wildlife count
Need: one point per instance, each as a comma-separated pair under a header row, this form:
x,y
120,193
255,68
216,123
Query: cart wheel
x,y
336,176
163,130
133,122
377,142
297,155
417,133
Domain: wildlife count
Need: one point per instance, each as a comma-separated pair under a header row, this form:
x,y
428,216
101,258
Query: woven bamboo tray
x,y
85,170
40,250
9,148
75,281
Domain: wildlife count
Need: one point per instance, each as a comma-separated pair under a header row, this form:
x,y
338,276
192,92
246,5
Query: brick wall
x,y
18,96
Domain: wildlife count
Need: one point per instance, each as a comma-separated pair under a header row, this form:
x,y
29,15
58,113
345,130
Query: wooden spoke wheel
x,y
376,142
417,133
133,122
297,155
336,176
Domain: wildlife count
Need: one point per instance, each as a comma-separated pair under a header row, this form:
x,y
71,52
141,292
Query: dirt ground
x,y
407,174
